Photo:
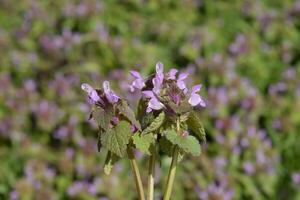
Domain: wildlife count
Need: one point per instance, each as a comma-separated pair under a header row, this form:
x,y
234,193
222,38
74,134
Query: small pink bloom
x,y
92,93
138,83
110,95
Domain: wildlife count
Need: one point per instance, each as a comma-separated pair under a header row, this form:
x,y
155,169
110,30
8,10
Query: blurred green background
x,y
246,53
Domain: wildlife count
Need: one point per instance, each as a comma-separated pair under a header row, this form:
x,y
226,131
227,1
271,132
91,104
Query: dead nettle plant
x,y
166,120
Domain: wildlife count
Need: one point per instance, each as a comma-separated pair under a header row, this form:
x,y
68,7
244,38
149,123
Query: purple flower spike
x,y
138,83
93,95
159,78
172,74
154,103
195,98
180,82
110,95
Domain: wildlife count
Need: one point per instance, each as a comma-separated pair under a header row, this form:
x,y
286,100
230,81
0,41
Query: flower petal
x,y
136,74
155,104
110,95
172,74
148,110
181,84
159,68
106,87
148,93
138,83
157,83
196,88
86,87
93,95
196,99
183,76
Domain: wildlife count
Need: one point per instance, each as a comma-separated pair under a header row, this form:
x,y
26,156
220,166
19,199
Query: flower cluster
x,y
108,95
166,87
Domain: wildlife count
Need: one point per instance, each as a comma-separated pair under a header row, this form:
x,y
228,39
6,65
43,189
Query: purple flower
x,y
195,98
248,168
159,77
138,83
180,82
154,103
92,93
172,74
296,178
110,95
14,195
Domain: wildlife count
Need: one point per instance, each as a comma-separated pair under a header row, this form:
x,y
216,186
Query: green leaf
x,y
166,146
125,110
155,124
110,160
188,144
99,145
184,107
117,138
103,117
144,142
196,126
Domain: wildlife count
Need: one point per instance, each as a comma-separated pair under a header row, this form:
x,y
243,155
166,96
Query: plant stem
x,y
172,170
151,169
171,176
136,173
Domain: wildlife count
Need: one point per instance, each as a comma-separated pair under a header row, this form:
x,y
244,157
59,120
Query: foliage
x,y
246,53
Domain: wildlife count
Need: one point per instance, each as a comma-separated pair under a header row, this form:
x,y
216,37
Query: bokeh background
x,y
246,53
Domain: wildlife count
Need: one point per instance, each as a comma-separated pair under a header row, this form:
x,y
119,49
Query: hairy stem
x,y
151,169
172,170
171,176
136,174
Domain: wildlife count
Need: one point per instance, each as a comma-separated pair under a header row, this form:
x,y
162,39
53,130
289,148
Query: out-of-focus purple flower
x,y
195,98
49,173
236,150
296,178
180,82
289,74
69,152
260,157
138,83
30,85
248,168
228,195
172,74
92,93
110,95
14,195
158,79
154,103
220,162
276,124
61,133
75,188
220,138
244,142
92,189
